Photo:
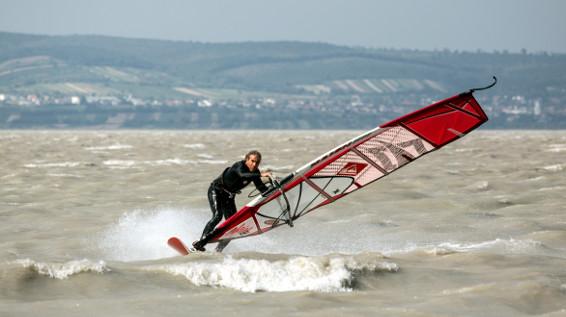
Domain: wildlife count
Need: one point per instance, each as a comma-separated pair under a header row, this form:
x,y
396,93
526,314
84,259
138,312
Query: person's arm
x,y
258,183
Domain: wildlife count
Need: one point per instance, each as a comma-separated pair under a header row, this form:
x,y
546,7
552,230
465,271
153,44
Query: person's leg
x,y
229,211
215,207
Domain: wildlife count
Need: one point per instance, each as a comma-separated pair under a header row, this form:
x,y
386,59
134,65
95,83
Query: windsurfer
x,y
222,192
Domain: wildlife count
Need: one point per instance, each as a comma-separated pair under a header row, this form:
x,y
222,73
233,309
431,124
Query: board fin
x,y
178,245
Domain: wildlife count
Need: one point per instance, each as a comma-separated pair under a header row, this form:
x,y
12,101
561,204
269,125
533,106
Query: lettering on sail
x,y
392,156
241,230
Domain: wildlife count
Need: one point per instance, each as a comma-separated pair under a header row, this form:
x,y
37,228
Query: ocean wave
x,y
279,169
119,164
206,156
64,175
513,246
466,150
110,147
554,168
509,245
479,186
64,270
168,162
335,273
194,146
48,165
556,148
8,176
552,188
470,289
213,162
125,164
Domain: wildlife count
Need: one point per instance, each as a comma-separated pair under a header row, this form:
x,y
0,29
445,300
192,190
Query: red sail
x,y
444,121
355,164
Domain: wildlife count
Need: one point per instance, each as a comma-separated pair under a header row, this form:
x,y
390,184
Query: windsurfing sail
x,y
356,164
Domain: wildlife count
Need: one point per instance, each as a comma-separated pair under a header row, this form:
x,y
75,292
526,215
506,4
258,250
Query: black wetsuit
x,y
222,192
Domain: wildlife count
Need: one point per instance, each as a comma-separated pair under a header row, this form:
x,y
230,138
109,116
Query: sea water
x,y
477,228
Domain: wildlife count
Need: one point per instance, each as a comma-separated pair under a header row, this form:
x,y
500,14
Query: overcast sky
x,y
536,25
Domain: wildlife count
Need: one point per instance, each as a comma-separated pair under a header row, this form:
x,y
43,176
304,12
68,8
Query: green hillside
x,y
38,63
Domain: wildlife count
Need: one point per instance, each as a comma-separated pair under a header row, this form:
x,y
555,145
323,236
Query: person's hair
x,y
256,154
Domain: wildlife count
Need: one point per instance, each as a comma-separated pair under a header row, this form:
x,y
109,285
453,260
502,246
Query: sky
x,y
487,25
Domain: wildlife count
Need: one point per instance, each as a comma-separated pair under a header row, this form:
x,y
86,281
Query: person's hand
x,y
266,173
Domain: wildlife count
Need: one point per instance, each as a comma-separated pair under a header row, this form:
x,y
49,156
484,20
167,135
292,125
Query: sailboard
x,y
179,246
354,165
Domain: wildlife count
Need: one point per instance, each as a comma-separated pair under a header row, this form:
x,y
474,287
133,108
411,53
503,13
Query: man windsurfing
x,y
223,190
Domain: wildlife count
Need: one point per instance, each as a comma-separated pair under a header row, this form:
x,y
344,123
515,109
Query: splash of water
x,y
142,234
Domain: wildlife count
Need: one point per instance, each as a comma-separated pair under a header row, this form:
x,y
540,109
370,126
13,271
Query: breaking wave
x,y
64,270
334,273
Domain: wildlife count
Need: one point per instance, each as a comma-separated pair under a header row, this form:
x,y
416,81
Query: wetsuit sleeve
x,y
243,172
259,184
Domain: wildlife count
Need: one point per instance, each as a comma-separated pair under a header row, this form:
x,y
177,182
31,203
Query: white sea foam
x,y
109,147
49,165
64,270
64,175
125,164
119,164
320,274
556,148
511,245
554,168
481,186
213,162
465,150
553,188
168,162
194,146
8,176
205,156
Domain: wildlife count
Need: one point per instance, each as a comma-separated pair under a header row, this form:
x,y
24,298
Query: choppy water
x,y
477,228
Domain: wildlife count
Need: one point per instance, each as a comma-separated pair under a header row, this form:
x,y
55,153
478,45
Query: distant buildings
x,y
75,100
504,111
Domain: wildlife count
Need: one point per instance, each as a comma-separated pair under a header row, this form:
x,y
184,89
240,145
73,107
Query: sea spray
x,y
142,235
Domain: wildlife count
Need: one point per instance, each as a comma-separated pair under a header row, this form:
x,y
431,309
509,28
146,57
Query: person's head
x,y
252,160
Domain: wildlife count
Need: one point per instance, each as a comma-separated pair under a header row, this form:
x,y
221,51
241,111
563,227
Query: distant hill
x,y
140,83
36,62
